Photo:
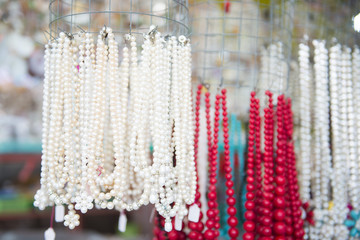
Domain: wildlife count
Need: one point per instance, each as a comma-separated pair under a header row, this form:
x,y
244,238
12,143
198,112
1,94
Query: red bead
x,y
248,236
210,223
249,226
250,215
232,221
233,232
280,238
217,225
297,213
279,190
210,213
231,211
212,188
200,227
250,179
266,231
299,233
279,228
280,180
266,221
212,195
231,202
279,202
209,234
230,192
212,180
228,176
172,235
250,195
289,230
279,214
212,204
266,203
192,225
250,187
268,195
227,169
266,212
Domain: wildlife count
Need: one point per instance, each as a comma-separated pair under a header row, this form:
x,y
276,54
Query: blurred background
x,y
24,28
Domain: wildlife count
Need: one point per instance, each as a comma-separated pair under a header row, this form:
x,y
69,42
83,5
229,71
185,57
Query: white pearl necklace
x,y
96,144
305,126
350,150
322,152
339,188
356,94
305,122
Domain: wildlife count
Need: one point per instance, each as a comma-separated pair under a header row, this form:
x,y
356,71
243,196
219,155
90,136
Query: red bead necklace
x,y
295,203
250,216
197,228
266,220
231,201
212,222
279,211
276,200
258,160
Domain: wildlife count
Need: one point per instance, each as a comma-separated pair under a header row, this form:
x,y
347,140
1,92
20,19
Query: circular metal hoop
x,y
126,16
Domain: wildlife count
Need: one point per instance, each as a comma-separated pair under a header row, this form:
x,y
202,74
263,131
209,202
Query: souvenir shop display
x,y
242,123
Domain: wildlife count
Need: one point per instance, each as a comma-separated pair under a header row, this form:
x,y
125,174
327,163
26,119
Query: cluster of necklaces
x,y
210,228
273,206
100,117
120,132
329,140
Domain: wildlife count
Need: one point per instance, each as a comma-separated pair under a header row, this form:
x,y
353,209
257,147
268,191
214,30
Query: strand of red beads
x,y
258,163
250,216
279,200
231,201
208,125
295,203
197,228
288,211
215,165
212,224
266,221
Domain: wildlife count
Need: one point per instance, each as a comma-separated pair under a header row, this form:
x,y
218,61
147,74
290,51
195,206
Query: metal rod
x,y
89,24
123,12
71,10
239,44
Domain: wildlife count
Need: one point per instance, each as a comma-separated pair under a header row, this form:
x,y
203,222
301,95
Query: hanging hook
x,y
220,84
69,35
152,32
127,37
104,33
